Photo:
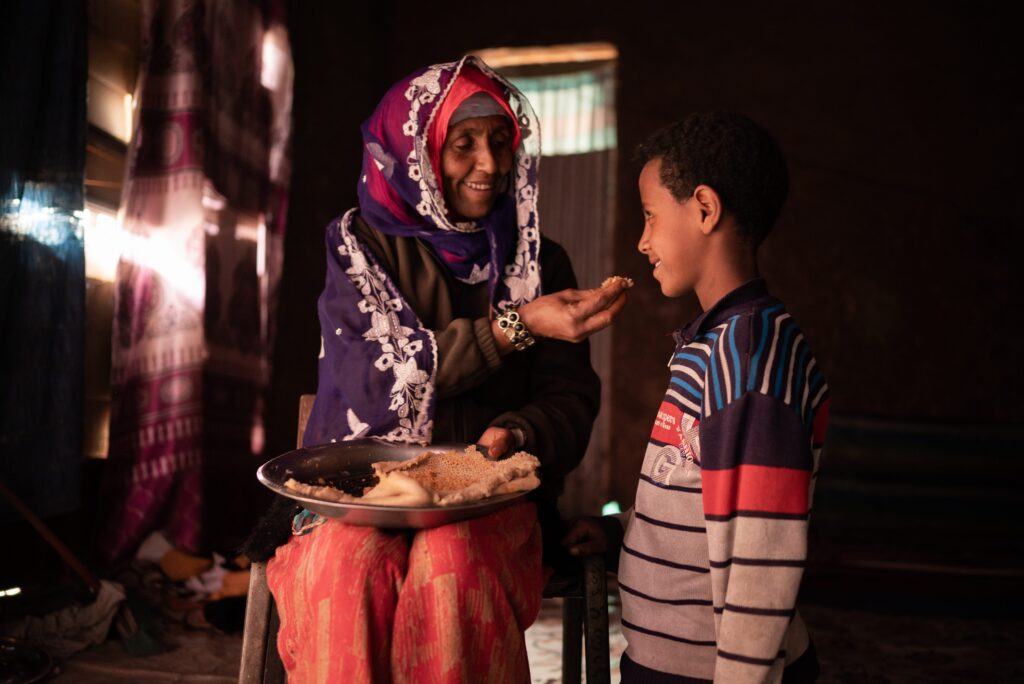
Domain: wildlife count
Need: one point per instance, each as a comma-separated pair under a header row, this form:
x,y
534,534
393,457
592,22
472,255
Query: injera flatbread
x,y
437,478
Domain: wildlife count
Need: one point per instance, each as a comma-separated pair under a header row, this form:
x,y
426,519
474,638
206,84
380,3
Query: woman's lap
x,y
447,607
338,584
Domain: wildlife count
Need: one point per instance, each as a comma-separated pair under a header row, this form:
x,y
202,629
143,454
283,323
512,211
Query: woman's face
x,y
475,159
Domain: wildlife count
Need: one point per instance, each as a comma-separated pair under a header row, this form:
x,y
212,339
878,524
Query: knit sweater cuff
x,y
485,340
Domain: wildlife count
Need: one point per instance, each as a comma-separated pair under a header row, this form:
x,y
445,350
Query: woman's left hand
x,y
569,315
499,441
574,315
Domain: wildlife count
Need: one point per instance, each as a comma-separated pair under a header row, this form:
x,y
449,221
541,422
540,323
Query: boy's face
x,y
672,240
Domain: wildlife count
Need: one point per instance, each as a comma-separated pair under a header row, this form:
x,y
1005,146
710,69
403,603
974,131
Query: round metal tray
x,y
347,462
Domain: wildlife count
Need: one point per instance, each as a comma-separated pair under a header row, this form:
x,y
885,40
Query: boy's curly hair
x,y
729,153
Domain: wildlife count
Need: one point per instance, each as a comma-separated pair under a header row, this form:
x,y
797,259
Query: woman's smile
x,y
479,186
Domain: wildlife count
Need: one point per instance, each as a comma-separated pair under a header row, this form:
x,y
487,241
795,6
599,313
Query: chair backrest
x,y
305,408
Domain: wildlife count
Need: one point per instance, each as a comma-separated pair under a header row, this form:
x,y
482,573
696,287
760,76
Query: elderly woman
x,y
423,278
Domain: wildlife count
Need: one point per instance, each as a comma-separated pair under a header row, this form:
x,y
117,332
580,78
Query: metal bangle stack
x,y
515,330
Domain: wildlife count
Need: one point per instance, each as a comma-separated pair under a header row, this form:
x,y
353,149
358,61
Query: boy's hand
x,y
574,315
586,537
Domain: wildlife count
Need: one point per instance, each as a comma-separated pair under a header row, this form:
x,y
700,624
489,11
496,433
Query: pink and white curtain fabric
x,y
204,212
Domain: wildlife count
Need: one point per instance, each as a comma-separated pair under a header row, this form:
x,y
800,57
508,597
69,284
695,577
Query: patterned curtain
x,y
204,211
576,108
42,259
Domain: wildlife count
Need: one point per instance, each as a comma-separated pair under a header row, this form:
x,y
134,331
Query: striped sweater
x,y
716,544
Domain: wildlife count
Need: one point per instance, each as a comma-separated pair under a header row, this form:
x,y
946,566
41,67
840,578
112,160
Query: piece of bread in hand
x,y
616,278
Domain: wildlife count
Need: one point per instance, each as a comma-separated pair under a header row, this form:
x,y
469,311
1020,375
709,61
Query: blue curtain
x,y
42,260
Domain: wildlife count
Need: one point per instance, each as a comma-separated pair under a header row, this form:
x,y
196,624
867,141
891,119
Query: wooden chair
x,y
584,612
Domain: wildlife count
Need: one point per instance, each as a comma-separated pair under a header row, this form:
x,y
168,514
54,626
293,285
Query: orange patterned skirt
x,y
448,604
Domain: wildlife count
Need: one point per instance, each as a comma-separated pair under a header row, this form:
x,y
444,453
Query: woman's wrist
x,y
515,329
500,340
510,331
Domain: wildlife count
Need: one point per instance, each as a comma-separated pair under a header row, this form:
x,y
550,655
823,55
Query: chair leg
x,y
572,639
257,623
595,593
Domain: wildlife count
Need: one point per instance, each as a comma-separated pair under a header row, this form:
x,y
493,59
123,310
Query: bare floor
x,y
854,646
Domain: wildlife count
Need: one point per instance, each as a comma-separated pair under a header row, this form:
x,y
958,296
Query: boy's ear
x,y
710,205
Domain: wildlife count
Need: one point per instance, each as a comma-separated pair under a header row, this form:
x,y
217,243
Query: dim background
x,y
898,251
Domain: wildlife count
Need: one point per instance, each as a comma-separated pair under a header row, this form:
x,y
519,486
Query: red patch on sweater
x,y
755,488
668,425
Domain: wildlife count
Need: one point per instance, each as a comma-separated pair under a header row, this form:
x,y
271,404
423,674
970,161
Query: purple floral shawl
x,y
377,361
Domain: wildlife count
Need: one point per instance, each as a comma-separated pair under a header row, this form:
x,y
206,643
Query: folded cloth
x,y
73,628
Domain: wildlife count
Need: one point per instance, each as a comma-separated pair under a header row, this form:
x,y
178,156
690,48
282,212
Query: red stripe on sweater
x,y
755,488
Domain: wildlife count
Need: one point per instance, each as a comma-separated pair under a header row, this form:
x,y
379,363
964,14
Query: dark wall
x,y
896,252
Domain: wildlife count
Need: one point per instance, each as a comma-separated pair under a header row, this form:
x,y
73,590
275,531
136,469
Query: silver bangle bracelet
x,y
515,330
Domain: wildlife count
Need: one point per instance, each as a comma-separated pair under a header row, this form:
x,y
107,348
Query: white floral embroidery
x,y
423,90
384,161
356,427
412,388
522,275
429,80
478,275
523,214
519,288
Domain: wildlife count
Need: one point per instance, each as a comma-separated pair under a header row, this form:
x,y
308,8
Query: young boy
x,y
715,545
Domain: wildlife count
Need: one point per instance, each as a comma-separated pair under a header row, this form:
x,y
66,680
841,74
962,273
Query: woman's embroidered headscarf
x,y
400,191
377,361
